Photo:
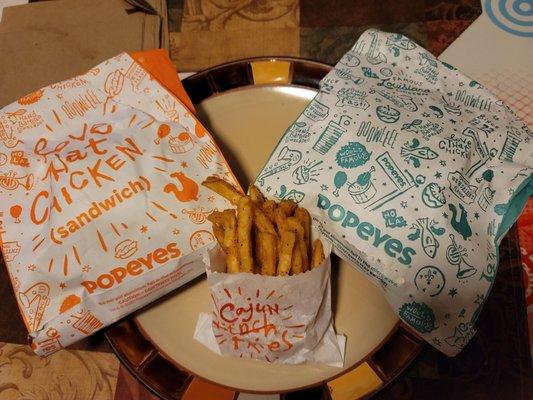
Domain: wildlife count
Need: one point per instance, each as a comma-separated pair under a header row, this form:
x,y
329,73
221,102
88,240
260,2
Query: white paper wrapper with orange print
x,y
271,318
102,207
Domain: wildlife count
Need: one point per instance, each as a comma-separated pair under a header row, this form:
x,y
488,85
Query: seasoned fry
x,y
266,252
280,219
223,188
256,195
287,239
305,219
296,265
262,223
269,207
318,254
218,231
303,258
230,241
288,207
244,233
216,218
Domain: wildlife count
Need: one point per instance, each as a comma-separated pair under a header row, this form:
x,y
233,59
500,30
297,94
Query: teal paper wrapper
x,y
414,172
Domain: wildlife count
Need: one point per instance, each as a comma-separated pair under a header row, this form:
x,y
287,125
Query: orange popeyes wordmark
x,y
139,265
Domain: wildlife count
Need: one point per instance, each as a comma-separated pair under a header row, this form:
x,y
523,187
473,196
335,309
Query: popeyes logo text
x,y
135,267
251,326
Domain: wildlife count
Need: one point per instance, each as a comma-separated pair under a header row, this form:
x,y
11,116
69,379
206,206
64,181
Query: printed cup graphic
x,y
331,135
511,144
86,323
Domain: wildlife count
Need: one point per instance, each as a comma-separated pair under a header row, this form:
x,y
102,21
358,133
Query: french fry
x,y
262,223
223,188
302,257
216,218
256,195
266,244
230,242
218,231
288,207
244,233
296,264
318,253
286,246
305,220
280,219
269,207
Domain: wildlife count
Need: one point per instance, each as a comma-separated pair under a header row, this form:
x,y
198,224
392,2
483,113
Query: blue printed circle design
x,y
513,16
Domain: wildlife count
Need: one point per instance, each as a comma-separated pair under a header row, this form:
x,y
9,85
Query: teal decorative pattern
x,y
410,168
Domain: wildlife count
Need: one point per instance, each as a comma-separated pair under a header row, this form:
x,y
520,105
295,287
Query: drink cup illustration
x,y
331,135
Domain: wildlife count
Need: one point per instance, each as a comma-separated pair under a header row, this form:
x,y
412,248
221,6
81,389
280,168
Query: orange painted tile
x,y
354,384
270,72
202,390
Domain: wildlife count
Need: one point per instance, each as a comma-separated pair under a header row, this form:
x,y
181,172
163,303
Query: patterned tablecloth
x,y
203,33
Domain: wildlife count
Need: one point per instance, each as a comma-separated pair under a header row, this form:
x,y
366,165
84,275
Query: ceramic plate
x,y
247,105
